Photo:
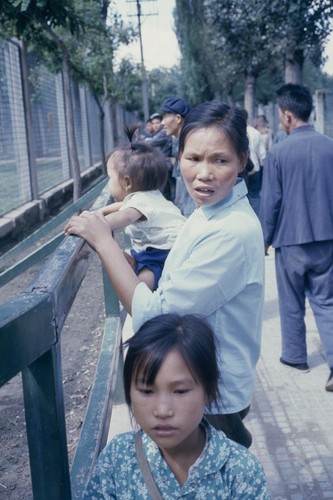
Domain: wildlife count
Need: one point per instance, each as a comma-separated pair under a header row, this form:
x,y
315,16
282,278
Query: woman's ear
x,y
243,161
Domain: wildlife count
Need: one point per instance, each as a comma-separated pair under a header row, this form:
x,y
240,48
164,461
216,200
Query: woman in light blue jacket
x,y
216,266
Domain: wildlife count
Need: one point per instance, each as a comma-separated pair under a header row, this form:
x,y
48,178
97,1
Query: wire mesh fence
x,y
34,160
14,174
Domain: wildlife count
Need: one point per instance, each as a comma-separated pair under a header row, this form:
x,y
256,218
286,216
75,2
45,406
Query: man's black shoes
x,y
329,383
303,367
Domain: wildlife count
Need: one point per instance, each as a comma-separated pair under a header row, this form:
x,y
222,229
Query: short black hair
x,y
189,335
228,119
297,99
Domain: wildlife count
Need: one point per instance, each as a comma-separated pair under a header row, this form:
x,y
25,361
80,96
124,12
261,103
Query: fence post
x,y
62,126
85,128
46,431
320,113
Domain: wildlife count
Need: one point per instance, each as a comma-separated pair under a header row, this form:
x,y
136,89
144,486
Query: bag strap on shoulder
x,y
145,469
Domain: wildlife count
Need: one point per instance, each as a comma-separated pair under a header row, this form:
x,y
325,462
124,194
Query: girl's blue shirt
x,y
216,269
224,470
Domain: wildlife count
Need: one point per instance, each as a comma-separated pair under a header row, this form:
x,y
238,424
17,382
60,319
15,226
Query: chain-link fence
x,y
34,157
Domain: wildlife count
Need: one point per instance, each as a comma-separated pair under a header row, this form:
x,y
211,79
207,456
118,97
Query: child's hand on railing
x,y
110,209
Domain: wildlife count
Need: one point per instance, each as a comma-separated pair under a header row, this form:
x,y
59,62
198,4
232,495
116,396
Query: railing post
x,y
46,431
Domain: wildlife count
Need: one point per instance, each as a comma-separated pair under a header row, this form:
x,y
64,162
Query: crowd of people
x,y
194,285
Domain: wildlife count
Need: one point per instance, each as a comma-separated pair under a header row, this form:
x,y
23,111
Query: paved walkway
x,y
292,415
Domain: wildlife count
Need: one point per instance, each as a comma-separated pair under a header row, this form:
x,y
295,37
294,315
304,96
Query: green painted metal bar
x,y
23,334
110,298
31,259
30,327
55,287
96,424
45,419
86,199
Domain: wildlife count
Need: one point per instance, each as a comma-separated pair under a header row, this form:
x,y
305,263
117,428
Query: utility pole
x,y
144,85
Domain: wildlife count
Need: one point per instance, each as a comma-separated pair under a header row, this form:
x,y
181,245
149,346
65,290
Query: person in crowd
x,y
257,152
175,111
148,129
280,134
262,125
170,375
216,265
159,137
297,219
161,140
137,173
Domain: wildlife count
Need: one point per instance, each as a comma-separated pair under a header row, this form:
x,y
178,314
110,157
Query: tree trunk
x,y
294,67
72,149
250,81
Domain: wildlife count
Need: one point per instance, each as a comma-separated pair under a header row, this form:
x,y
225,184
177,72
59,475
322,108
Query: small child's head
x,y
137,166
189,336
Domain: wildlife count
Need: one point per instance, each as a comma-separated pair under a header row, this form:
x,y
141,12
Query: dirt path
x,y
81,338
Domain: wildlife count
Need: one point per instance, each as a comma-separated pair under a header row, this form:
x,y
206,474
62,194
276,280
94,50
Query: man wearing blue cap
x,y
175,111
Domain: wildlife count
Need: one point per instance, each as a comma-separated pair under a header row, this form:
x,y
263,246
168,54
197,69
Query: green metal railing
x,y
30,335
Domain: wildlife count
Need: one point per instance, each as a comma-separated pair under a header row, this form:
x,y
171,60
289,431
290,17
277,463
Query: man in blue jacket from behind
x,y
297,219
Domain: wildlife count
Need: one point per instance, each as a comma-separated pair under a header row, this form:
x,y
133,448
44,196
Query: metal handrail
x,y
30,332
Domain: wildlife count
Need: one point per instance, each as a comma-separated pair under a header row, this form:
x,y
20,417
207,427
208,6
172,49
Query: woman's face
x,y
210,165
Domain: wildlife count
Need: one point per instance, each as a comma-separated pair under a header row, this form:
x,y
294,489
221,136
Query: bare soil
x,y
81,339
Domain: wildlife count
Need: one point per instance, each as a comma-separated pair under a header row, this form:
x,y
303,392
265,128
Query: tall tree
x,y
92,55
231,41
239,34
300,29
164,83
77,38
192,35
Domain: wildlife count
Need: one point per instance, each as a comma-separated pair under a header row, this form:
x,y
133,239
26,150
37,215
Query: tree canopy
x,y
227,42
231,49
71,36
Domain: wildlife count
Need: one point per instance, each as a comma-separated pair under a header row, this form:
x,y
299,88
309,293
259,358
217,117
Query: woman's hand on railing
x,y
92,226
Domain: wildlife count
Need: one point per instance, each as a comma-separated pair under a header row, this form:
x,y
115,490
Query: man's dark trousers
x,y
305,271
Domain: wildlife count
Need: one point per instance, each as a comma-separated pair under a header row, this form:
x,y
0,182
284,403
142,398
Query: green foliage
x,y
30,18
52,28
300,25
92,54
223,41
128,85
193,38
314,78
164,83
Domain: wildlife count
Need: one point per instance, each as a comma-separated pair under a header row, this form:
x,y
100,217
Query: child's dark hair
x,y
143,163
216,114
189,335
